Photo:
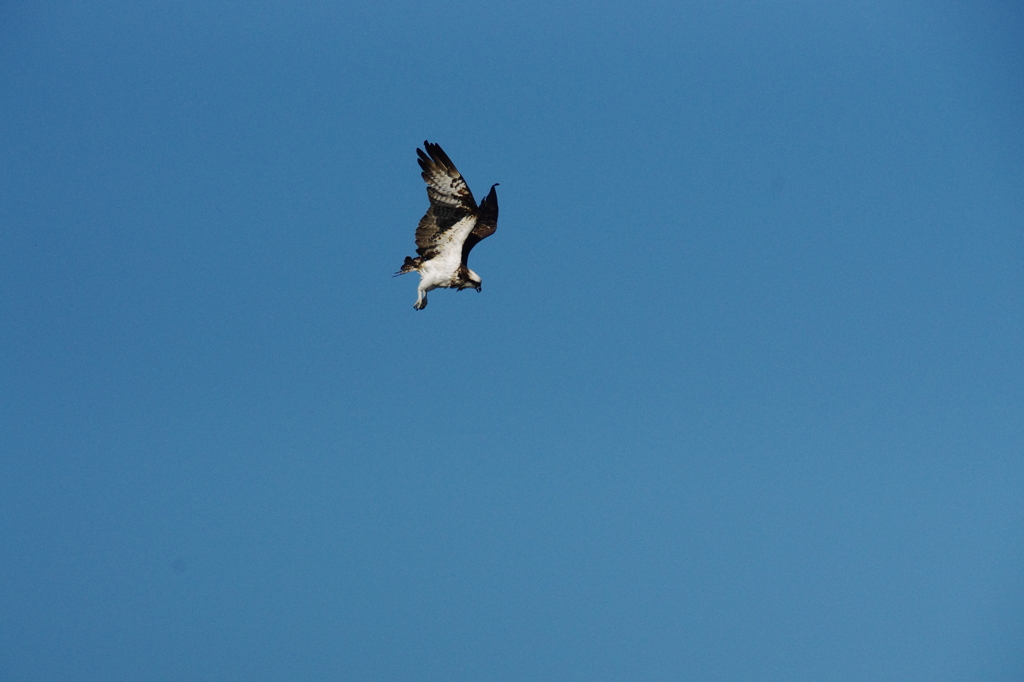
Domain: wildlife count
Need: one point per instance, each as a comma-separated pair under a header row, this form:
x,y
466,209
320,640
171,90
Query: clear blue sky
x,y
742,397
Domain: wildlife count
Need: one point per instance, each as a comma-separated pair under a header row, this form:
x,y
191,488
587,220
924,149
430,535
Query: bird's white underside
x,y
441,270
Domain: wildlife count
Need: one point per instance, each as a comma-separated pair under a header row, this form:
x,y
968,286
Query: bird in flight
x,y
452,226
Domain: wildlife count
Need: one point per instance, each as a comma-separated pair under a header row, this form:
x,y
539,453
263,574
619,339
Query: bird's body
x,y
450,229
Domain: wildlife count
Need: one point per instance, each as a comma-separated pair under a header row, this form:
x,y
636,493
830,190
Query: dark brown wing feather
x,y
486,223
450,198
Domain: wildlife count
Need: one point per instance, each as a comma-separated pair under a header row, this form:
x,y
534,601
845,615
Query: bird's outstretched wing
x,y
486,223
450,199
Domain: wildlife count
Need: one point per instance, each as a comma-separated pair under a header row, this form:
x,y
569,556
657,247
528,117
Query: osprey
x,y
450,229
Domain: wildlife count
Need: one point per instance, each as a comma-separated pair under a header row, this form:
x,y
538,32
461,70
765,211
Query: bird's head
x,y
470,280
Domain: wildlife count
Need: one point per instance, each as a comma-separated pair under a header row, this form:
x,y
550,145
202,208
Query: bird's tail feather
x,y
410,265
